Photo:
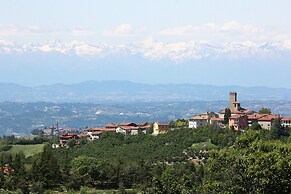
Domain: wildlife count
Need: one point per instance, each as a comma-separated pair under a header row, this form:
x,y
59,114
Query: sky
x,y
171,41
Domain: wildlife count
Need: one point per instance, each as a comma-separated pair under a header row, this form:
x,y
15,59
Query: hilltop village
x,y
234,117
206,153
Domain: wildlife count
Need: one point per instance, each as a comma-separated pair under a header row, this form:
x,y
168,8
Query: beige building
x,y
266,122
160,128
201,120
286,122
217,121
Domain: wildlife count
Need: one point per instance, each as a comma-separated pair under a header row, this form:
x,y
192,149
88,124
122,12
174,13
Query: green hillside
x,y
28,150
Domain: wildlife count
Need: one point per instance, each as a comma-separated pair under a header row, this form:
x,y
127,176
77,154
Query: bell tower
x,y
233,101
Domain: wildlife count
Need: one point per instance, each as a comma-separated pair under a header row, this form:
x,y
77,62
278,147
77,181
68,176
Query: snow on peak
x,y
155,50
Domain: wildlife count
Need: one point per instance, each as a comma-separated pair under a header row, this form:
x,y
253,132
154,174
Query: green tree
x,y
255,166
277,130
86,168
255,126
227,115
264,110
46,169
71,142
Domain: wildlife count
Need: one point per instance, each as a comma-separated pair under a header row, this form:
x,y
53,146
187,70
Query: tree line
x,y
203,160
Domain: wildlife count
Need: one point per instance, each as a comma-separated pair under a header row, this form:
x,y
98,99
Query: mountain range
x,y
154,50
125,91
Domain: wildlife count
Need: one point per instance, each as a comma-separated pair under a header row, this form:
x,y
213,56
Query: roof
x,y
107,129
142,123
68,136
217,119
95,129
286,119
240,111
269,118
111,125
256,116
129,128
198,117
237,116
236,102
126,124
163,124
145,127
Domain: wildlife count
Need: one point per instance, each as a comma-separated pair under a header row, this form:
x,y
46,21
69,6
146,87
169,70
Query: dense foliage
x,y
203,160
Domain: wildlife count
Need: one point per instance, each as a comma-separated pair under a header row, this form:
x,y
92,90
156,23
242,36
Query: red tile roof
x,y
237,116
92,129
97,133
199,117
129,128
256,116
217,119
286,119
82,135
111,125
269,118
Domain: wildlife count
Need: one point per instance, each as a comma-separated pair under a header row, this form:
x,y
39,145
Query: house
x,y
126,124
89,131
128,130
238,122
286,122
145,128
253,118
267,121
201,120
217,121
95,135
66,137
197,121
111,126
160,128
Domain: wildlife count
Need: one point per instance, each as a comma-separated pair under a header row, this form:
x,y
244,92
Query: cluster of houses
x,y
239,119
126,128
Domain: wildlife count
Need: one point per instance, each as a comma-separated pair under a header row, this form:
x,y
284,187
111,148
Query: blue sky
x,y
152,16
168,35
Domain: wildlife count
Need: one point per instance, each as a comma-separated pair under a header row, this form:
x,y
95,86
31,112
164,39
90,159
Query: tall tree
x,y
46,169
227,115
277,130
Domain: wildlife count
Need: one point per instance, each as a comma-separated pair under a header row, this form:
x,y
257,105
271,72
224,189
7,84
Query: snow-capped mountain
x,y
154,50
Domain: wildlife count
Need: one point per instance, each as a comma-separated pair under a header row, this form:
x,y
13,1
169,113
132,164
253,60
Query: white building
x,y
201,120
286,122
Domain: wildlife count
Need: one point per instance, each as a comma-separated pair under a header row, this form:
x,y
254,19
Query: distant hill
x,y
125,91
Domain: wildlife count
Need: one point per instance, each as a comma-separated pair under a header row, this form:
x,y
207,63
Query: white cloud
x,y
125,30
14,30
81,32
226,28
231,31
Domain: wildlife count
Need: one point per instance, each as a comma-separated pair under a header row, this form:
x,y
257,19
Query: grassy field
x,y
28,150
